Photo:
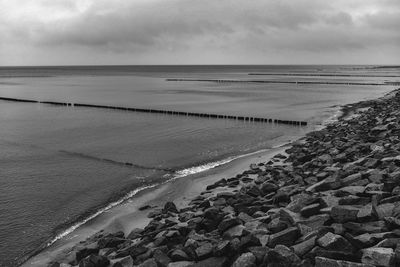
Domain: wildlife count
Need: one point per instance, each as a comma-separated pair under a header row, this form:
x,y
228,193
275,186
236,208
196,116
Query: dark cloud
x,y
181,28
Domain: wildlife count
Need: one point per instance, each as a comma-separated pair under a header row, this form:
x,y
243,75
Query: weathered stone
x,y
245,260
367,227
179,255
122,262
281,256
94,261
161,258
344,213
368,239
315,222
325,262
259,252
228,223
334,242
351,179
148,263
204,251
329,183
302,248
268,187
353,189
384,210
235,231
181,264
378,256
365,213
213,261
286,237
310,210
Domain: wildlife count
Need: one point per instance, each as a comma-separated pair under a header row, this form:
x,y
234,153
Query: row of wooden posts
x,y
168,112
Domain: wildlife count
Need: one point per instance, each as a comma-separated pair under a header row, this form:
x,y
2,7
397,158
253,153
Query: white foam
x,y
177,175
91,217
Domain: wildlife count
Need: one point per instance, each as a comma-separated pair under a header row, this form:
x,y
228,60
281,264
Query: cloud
x,y
173,28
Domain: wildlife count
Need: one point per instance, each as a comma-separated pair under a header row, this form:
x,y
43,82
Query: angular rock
x,y
213,261
286,237
281,256
378,256
245,260
94,261
310,210
325,262
228,223
343,214
304,247
335,242
204,251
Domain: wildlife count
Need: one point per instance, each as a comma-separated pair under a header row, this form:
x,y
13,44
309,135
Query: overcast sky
x,y
65,32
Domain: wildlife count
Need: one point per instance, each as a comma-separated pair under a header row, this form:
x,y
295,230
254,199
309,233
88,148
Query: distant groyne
x,y
275,81
166,112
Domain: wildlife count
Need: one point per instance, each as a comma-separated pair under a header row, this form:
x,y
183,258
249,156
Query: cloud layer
x,y
199,32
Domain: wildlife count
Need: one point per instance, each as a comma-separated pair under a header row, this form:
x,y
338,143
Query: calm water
x,y
59,165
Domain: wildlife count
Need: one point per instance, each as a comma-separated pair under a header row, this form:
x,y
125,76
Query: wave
x,y
178,174
98,212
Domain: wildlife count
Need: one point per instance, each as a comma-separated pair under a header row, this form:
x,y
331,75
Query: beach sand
x,y
127,216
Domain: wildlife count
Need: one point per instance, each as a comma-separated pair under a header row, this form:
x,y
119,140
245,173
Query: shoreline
x,y
157,195
195,190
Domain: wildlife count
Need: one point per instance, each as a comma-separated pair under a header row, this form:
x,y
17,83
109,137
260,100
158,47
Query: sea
x,y
61,166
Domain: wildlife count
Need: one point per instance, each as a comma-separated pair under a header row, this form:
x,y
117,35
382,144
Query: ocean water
x,y
61,165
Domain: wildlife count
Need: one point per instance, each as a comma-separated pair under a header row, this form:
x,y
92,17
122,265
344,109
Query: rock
x,y
368,239
334,242
148,263
213,261
304,247
351,179
228,223
135,233
315,222
179,255
204,251
378,256
384,210
268,187
286,237
110,242
310,210
235,231
353,189
365,213
343,214
161,258
325,262
329,183
367,227
259,253
281,256
122,262
222,248
94,261
181,264
170,207
245,260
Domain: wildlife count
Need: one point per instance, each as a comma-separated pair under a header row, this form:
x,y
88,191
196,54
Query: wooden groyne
x,y
268,81
323,75
166,112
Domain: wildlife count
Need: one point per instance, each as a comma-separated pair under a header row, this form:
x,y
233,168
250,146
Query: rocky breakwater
x,y
333,199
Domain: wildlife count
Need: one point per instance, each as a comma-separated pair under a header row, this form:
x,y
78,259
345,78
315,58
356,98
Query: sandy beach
x,y
127,216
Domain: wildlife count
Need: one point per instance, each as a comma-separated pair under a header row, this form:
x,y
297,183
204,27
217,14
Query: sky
x,y
118,32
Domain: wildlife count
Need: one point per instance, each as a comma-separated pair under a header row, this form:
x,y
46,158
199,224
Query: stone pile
x,y
332,200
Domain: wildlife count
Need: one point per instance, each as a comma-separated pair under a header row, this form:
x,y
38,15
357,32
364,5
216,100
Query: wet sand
x,y
127,216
